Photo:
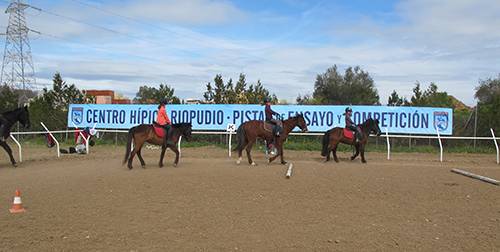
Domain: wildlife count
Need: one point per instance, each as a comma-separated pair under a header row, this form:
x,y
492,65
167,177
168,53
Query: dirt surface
x,y
92,203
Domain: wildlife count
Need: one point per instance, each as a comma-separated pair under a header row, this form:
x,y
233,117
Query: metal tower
x,y
17,68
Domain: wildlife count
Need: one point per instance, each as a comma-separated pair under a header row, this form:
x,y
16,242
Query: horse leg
x,y
240,153
143,164
328,153
362,147
163,149
176,151
248,149
9,151
280,152
279,147
334,150
357,152
131,158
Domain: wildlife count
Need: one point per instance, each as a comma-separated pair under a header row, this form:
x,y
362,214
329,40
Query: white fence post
x,y
388,144
55,140
230,129
496,145
179,145
440,146
19,147
229,147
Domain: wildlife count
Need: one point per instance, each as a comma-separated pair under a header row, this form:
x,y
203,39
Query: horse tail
x,y
326,142
129,144
240,134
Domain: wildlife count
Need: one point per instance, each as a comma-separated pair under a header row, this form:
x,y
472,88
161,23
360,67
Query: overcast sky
x,y
121,45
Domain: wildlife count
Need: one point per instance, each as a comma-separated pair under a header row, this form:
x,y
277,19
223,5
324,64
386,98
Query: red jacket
x,y
84,133
349,122
162,118
269,112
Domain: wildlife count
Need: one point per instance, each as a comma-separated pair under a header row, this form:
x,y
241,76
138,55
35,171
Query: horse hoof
x,y
238,162
254,164
160,165
143,166
283,163
363,161
175,164
130,167
14,164
336,160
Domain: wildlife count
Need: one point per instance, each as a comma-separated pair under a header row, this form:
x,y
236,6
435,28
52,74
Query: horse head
x,y
374,128
301,123
186,130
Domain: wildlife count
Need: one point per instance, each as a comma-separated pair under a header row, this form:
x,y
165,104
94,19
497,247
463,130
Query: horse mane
x,y
12,114
181,125
14,111
295,116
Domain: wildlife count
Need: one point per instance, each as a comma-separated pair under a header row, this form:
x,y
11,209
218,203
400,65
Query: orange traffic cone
x,y
17,206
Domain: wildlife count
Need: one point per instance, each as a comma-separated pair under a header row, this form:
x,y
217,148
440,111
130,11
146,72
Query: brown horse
x,y
336,135
146,133
248,133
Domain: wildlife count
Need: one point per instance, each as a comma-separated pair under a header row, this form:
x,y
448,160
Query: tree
x,y
51,107
256,94
430,97
209,94
354,87
240,88
237,94
220,90
8,99
148,95
488,96
306,100
396,100
230,94
417,99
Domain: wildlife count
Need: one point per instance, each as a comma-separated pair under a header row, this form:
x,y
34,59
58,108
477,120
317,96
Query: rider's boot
x,y
168,136
272,147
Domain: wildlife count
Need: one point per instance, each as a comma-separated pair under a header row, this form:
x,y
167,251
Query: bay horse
x,y
20,115
146,133
334,136
249,131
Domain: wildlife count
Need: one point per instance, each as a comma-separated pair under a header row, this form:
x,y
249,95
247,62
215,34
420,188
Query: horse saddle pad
x,y
268,126
159,131
348,133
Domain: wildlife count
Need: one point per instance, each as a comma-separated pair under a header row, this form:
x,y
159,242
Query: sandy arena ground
x,y
92,203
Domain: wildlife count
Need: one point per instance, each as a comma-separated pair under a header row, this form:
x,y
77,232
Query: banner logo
x,y
441,120
77,115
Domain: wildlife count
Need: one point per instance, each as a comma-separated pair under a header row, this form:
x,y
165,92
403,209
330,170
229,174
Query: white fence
x,y
439,138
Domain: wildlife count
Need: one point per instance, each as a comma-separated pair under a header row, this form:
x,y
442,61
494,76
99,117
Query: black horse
x,y
7,120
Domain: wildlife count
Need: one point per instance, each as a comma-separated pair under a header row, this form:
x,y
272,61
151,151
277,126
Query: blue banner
x,y
410,120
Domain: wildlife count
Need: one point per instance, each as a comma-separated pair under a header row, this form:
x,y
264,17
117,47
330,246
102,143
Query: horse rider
x,y
82,138
269,118
349,124
163,121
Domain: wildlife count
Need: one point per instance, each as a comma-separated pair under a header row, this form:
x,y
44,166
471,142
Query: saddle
x,y
271,127
159,130
348,134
